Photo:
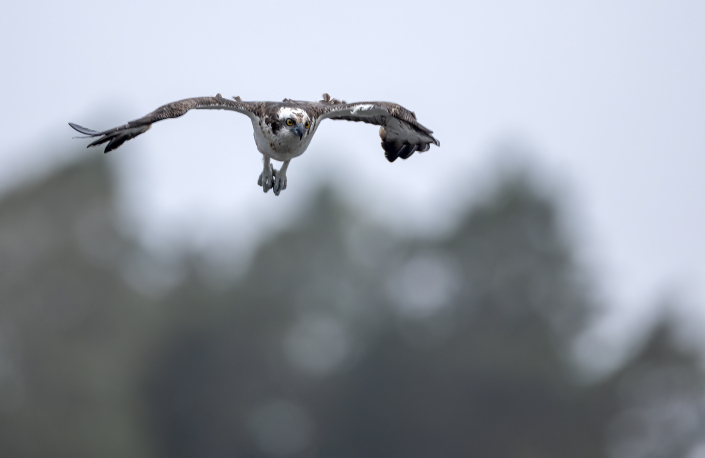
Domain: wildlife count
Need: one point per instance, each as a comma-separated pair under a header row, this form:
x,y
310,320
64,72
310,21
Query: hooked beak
x,y
299,130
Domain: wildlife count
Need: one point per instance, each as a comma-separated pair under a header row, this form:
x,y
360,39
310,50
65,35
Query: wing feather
x,y
116,136
402,135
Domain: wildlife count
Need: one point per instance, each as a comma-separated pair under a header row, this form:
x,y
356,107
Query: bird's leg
x,y
266,178
280,178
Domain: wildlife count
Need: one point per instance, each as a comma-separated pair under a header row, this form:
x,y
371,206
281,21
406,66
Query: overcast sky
x,y
608,97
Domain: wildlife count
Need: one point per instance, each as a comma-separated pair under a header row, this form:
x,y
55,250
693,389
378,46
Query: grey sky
x,y
609,96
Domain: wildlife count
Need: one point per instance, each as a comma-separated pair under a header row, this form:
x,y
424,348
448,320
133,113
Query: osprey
x,y
283,130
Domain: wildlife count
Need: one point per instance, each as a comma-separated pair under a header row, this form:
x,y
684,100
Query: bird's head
x,y
294,121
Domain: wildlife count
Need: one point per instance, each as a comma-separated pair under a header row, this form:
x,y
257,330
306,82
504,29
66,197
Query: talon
x,y
279,183
266,179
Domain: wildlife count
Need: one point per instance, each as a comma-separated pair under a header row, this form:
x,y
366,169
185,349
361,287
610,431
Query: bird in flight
x,y
283,130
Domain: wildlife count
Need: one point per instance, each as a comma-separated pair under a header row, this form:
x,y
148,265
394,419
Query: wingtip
x,y
114,143
83,130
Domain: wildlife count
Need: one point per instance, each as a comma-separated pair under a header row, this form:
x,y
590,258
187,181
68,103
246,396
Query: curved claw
x,y
266,179
279,182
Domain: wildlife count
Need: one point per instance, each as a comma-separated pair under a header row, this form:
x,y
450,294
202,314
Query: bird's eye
x,y
289,122
308,124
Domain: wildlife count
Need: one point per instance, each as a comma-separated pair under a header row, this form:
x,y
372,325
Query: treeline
x,y
340,340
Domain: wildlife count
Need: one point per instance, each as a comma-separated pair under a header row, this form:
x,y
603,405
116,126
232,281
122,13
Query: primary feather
x,y
283,130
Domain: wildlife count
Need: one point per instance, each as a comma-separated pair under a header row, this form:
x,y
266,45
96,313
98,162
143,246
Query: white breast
x,y
278,147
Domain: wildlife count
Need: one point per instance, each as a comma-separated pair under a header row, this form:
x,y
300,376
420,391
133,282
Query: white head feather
x,y
294,113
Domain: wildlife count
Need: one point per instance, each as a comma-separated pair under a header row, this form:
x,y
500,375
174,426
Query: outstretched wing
x,y
401,133
119,135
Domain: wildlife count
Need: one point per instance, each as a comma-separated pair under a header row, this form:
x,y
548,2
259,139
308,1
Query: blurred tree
x,y
69,327
454,347
659,400
339,340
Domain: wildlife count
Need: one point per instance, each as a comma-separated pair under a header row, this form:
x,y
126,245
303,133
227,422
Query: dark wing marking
x,y
401,133
119,135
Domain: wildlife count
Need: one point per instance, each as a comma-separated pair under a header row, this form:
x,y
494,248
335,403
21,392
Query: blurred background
x,y
533,288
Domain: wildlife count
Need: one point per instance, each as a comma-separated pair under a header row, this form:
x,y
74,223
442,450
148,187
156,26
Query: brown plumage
x,y
401,133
